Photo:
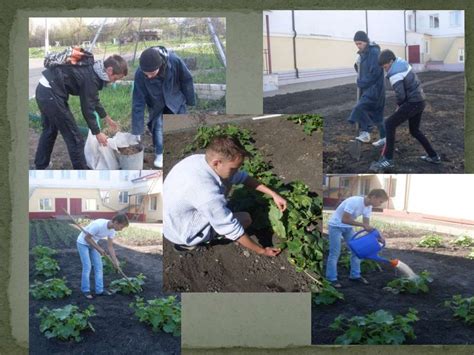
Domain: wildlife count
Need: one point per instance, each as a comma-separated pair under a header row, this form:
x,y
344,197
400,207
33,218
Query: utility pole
x,y
97,35
217,42
46,36
137,39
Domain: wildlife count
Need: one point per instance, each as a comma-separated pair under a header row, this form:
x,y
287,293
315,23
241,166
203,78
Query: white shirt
x,y
354,206
194,201
98,229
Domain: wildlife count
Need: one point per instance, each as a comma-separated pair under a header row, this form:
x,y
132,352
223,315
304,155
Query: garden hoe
x,y
354,144
106,255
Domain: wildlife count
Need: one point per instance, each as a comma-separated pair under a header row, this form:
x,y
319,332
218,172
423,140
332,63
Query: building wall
x,y
445,28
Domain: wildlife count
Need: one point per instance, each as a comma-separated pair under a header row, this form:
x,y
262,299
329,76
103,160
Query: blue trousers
x,y
335,237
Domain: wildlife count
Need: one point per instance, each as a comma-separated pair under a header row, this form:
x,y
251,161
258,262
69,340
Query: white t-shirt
x,y
98,229
354,206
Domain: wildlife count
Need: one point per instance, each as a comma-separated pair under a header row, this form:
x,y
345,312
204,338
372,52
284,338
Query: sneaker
x,y
105,292
364,137
379,143
382,165
433,160
335,284
158,163
361,280
185,247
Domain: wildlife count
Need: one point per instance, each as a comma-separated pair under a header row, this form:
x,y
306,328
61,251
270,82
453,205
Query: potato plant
x,y
310,122
161,313
413,286
40,251
462,308
133,285
65,323
50,289
380,327
431,241
326,295
46,266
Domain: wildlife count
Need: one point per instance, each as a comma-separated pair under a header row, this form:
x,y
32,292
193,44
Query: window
x,y
390,185
81,174
344,182
105,196
49,174
365,187
434,21
139,199
411,22
124,175
153,203
426,46
461,55
91,204
104,174
46,204
455,18
65,174
123,197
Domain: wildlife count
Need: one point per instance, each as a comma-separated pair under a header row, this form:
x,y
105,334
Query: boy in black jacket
x,y
410,102
52,94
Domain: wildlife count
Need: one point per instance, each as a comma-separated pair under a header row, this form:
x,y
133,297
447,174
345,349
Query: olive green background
x,y
244,49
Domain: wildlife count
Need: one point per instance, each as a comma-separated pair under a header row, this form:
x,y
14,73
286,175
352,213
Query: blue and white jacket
x,y
405,82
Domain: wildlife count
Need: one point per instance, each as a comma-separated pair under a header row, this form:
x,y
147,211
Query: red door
x,y
75,206
414,54
60,205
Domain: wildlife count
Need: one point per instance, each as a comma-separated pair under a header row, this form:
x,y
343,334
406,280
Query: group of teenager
x,y
369,110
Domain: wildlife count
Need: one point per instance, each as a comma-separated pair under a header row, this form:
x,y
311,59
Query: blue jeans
x,y
155,125
335,236
87,253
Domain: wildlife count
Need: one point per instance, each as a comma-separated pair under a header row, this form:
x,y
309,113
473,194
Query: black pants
x,y
412,112
56,116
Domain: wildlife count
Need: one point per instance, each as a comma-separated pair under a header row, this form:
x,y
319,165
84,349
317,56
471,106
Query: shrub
x,y
50,289
380,327
65,323
161,313
462,308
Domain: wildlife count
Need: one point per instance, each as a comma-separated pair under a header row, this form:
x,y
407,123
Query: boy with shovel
x,y
89,249
194,193
410,105
340,226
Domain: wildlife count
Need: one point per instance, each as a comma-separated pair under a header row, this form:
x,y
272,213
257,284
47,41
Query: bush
x,y
462,308
380,327
133,285
46,266
50,289
414,286
161,313
431,241
65,323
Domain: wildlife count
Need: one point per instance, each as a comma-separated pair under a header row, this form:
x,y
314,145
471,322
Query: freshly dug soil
x,y
131,150
118,331
229,267
452,274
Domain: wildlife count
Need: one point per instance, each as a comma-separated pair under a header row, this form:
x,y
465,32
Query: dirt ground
x,y
445,108
452,274
117,328
60,158
229,267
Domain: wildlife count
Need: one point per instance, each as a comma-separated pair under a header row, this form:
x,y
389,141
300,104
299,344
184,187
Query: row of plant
x,y
298,228
436,241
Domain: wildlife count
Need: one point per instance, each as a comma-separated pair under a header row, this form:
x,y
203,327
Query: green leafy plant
x,y
463,241
65,323
414,286
161,313
365,265
431,241
40,251
326,295
50,289
309,122
462,308
471,254
46,266
380,327
133,285
109,268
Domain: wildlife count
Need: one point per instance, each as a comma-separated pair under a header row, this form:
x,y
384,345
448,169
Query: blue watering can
x,y
368,245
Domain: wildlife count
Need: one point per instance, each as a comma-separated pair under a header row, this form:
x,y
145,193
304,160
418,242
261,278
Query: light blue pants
x,y
87,253
335,236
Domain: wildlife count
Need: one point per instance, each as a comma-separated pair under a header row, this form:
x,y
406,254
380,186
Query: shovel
x,y
354,146
106,255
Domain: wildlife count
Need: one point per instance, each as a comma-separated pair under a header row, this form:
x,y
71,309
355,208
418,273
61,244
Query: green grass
x,y
138,236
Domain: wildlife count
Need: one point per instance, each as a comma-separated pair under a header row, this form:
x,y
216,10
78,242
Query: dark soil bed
x,y
229,267
118,331
452,274
133,149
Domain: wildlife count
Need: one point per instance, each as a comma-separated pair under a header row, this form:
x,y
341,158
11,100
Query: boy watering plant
x,y
410,106
90,250
164,85
194,193
340,226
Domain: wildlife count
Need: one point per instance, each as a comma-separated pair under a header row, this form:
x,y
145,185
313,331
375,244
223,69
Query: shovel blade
x,y
355,149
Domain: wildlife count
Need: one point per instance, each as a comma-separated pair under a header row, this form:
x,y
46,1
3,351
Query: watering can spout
x,y
379,259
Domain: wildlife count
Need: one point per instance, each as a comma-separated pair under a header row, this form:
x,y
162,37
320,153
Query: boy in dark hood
x,y
371,90
410,105
164,85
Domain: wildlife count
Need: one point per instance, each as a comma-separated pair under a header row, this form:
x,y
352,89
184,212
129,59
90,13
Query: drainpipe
x,y
405,27
367,23
294,43
407,192
414,15
268,45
